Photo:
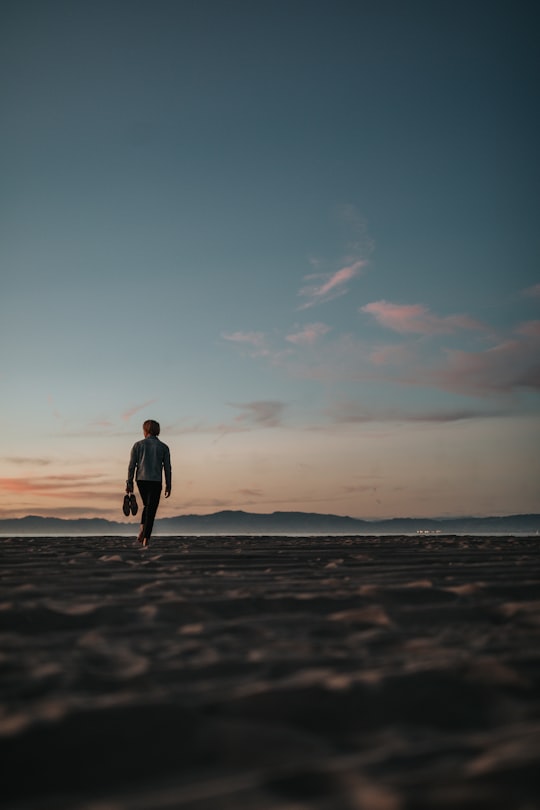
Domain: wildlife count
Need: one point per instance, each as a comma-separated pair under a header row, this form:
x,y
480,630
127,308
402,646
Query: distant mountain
x,y
282,523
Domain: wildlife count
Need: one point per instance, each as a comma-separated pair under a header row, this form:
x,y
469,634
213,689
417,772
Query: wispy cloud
x,y
207,503
255,339
506,367
127,414
250,493
532,292
487,363
416,319
251,416
257,345
391,355
502,369
529,329
309,334
32,462
263,413
351,412
254,344
101,511
104,424
65,486
329,286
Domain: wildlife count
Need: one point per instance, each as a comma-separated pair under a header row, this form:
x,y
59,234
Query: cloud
x,y
207,503
504,368
265,413
255,345
391,355
352,490
253,342
331,285
63,512
341,359
309,334
102,423
501,369
355,413
415,318
532,292
250,493
255,339
126,416
529,329
34,462
65,486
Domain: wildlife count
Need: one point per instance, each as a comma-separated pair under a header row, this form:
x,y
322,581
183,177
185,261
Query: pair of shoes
x,y
133,505
126,506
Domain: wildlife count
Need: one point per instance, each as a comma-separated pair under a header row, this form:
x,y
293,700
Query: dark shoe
x,y
126,506
133,505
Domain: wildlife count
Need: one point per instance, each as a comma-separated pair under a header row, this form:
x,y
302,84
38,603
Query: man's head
x,y
151,427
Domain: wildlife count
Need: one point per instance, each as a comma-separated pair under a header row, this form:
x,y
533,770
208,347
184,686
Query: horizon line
x,y
281,512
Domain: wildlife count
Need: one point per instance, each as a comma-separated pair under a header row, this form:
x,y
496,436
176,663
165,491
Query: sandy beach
x,y
270,673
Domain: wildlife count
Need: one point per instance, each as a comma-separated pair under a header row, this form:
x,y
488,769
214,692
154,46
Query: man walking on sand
x,y
149,459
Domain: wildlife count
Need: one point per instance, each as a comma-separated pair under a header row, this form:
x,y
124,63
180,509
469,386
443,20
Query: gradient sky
x,y
301,235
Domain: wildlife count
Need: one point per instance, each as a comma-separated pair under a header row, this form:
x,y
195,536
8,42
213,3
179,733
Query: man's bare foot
x,y
144,542
140,535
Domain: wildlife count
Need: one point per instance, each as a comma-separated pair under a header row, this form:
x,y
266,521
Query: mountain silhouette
x,y
282,523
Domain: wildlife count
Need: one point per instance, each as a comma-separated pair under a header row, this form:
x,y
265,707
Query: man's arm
x,y
167,471
131,468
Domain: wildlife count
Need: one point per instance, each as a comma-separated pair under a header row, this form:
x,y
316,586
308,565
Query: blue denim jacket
x,y
149,458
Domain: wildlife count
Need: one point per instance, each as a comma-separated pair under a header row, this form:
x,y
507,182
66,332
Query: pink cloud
x,y
501,369
65,486
415,318
255,339
529,329
341,277
126,416
333,285
309,334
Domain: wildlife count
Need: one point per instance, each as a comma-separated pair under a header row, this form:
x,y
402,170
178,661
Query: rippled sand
x,y
236,673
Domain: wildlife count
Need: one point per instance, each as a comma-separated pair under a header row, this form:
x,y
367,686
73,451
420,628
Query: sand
x,y
259,673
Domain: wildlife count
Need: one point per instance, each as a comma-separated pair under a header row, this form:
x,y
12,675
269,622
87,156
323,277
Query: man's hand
x,y
167,493
129,488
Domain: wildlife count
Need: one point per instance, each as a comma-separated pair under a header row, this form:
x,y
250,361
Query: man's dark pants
x,y
150,494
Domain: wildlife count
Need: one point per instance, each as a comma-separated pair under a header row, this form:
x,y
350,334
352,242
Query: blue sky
x,y
301,236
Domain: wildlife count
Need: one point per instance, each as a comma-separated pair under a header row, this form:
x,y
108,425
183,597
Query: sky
x,y
301,236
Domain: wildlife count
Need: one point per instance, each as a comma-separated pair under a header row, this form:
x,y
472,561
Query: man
x,y
149,459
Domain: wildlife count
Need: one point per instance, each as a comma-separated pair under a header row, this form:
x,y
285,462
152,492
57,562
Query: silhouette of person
x,y
149,459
